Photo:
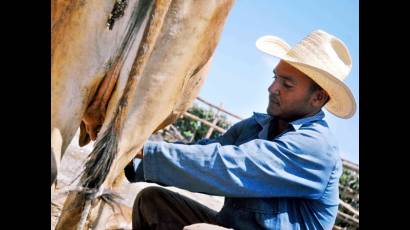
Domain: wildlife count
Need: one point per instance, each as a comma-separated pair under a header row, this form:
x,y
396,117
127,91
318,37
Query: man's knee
x,y
146,206
149,196
150,192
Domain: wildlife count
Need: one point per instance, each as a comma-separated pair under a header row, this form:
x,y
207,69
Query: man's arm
x,y
134,170
298,164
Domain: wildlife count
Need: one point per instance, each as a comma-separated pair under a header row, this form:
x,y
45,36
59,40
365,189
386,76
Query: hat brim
x,y
341,104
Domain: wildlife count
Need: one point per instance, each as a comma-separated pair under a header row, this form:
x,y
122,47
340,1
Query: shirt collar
x,y
298,123
263,119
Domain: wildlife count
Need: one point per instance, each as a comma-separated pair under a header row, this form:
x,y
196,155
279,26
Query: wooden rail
x,y
190,115
218,108
350,165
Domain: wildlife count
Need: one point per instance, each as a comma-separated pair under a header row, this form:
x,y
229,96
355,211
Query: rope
x,y
92,194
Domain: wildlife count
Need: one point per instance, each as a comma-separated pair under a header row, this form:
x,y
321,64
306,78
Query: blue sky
x,y
240,74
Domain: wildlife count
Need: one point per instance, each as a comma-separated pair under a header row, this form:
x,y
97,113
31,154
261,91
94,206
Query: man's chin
x,y
271,112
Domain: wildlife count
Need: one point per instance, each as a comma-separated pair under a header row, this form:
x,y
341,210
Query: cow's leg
x,y
71,213
75,205
104,212
56,149
101,213
53,168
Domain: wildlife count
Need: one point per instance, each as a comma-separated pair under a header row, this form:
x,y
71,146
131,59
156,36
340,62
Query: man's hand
x,y
134,172
140,154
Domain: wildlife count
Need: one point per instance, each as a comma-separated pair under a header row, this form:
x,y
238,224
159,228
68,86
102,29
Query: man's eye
x,y
288,86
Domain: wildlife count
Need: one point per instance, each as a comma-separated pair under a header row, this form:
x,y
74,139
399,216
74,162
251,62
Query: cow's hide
x,y
157,54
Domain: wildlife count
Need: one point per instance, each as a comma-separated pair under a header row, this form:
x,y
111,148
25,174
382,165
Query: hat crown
x,y
323,51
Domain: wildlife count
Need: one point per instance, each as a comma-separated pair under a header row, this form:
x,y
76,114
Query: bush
x,y
194,130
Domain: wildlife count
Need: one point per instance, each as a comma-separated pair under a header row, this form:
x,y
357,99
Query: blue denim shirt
x,y
290,182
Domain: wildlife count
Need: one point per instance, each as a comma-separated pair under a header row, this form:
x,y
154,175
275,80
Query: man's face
x,y
289,94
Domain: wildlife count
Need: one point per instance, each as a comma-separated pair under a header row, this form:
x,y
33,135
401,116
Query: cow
x,y
121,70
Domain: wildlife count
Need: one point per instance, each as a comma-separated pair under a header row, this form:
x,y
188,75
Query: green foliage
x,y
194,130
349,193
349,188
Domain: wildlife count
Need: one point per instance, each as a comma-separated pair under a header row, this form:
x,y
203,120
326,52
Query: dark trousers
x,y
159,208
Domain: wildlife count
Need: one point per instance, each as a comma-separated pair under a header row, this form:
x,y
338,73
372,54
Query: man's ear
x,y
320,98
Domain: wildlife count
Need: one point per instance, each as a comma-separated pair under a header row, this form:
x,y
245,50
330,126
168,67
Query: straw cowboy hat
x,y
322,57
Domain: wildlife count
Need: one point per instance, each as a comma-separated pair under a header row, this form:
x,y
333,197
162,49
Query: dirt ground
x,y
72,165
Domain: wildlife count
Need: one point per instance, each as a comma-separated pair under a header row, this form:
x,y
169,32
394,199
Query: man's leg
x,y
159,208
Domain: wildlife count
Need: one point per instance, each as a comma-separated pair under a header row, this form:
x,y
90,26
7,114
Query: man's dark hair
x,y
314,87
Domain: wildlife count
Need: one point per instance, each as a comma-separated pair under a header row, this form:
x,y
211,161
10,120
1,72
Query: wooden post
x,y
350,165
214,122
214,106
177,133
219,129
348,207
351,220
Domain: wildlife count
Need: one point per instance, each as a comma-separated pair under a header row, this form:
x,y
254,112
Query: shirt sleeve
x,y
297,164
134,170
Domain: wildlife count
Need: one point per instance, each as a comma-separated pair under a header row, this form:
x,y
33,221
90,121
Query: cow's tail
x,y
101,158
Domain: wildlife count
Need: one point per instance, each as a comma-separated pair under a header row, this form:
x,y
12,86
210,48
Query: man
x,y
278,170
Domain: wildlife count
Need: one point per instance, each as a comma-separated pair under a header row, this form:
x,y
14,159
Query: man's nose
x,y
273,88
